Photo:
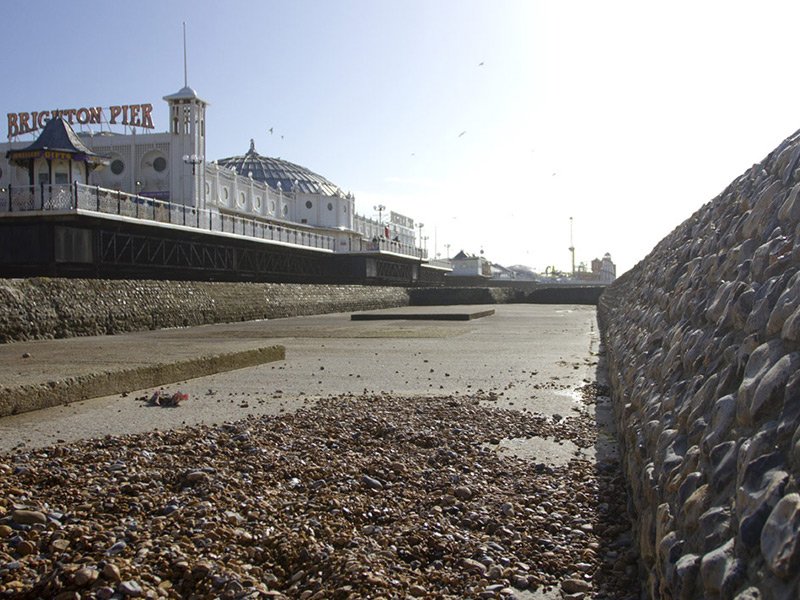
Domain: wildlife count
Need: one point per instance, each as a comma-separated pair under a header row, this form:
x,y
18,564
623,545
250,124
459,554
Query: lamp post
x,y
571,247
447,247
193,159
380,208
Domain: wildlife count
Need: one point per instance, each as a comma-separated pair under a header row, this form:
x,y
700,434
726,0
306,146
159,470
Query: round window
x,y
257,202
117,167
225,194
308,204
160,164
241,198
208,190
272,206
330,205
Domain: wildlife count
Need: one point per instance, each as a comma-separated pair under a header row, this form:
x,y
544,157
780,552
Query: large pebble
x,y
28,517
780,541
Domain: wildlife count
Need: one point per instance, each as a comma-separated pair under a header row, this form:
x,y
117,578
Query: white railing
x,y
383,244
78,196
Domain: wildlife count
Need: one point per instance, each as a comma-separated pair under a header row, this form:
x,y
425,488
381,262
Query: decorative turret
x,y
188,123
58,156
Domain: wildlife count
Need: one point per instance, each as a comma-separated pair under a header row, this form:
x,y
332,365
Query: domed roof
x,y
185,93
274,171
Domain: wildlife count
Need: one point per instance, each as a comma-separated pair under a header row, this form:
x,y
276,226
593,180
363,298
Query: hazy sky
x,y
491,121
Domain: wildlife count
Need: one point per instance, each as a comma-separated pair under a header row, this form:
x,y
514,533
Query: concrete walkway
x,y
527,357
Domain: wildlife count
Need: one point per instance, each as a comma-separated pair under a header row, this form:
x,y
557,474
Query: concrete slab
x,y
92,374
424,313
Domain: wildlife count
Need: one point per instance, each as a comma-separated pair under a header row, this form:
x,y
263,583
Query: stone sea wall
x,y
42,308
703,346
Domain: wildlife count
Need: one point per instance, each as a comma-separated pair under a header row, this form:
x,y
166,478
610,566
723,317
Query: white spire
x,y
185,68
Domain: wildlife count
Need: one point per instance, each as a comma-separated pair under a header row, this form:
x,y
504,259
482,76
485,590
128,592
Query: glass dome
x,y
277,173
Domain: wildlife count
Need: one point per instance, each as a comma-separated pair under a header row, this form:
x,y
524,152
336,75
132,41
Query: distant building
x,y
470,265
604,270
501,272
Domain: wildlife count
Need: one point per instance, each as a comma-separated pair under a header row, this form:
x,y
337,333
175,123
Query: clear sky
x,y
491,121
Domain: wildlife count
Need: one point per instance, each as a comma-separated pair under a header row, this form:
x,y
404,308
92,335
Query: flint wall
x,y
42,308
703,346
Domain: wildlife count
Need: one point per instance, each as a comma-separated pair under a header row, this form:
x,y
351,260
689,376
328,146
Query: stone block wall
x,y
703,346
464,295
42,308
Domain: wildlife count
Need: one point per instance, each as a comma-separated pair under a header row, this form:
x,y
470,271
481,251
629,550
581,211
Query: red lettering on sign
x,y
147,119
13,127
95,115
135,115
135,119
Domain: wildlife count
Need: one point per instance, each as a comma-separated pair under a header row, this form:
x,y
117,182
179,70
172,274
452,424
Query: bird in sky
x,y
270,130
480,64
462,133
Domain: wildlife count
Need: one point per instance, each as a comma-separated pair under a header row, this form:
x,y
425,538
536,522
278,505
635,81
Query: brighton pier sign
x,y
132,115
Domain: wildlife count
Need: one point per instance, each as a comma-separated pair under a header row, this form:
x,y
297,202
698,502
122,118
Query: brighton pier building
x,y
146,204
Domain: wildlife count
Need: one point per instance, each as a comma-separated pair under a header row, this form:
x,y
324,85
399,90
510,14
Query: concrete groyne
x,y
703,345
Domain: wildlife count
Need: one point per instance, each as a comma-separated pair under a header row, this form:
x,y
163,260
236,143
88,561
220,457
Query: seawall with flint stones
x,y
46,308
703,346
43,308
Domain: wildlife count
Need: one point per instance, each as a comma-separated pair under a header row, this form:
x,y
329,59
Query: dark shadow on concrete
x,y
522,293
618,572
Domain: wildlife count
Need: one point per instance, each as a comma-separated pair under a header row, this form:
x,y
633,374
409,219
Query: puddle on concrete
x,y
572,393
538,450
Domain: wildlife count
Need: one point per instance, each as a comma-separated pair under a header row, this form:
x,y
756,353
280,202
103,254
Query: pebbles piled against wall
x,y
703,344
43,308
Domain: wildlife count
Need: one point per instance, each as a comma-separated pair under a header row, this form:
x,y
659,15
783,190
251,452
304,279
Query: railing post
x,y
74,199
9,198
169,208
41,197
